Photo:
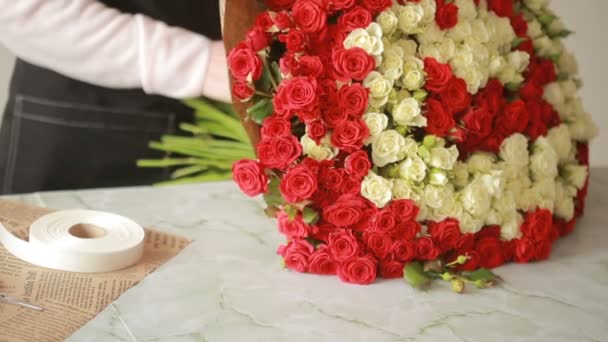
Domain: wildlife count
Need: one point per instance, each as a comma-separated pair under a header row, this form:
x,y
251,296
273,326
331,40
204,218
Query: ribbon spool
x,y
79,241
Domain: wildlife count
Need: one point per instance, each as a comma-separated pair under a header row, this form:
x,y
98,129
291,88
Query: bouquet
x,y
425,139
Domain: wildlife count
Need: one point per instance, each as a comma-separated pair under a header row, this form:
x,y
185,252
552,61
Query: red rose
x,y
376,6
289,64
478,122
405,210
321,262
245,65
438,75
294,40
300,92
407,230
342,4
332,179
502,8
357,17
257,39
298,184
283,21
279,4
379,243
543,250
309,16
350,136
250,177
490,252
536,126
279,153
347,211
384,221
514,118
353,63
360,270
322,230
334,117
564,228
295,228
310,66
445,233
344,245
520,25
352,186
455,95
524,250
538,225
296,254
492,96
353,99
440,120
426,249
549,114
391,269
358,164
404,251
316,130
275,127
447,16
472,263
263,21
242,91
531,91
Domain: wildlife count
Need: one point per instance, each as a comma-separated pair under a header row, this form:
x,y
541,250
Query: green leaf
x,y
277,71
265,83
546,19
291,212
414,274
482,274
513,87
310,215
273,197
189,171
517,42
261,110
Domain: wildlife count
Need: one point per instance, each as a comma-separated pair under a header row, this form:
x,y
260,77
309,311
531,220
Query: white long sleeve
x,y
91,42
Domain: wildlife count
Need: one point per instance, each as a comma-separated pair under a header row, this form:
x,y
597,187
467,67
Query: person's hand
x,y
217,83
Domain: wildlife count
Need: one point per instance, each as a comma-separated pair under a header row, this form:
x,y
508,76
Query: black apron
x,y
60,133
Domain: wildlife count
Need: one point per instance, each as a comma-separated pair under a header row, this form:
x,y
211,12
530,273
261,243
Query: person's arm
x,y
89,41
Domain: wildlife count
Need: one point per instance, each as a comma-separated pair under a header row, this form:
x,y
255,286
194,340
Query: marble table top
x,y
228,285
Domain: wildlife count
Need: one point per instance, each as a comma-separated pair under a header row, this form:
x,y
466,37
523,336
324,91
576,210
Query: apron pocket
x,y
57,145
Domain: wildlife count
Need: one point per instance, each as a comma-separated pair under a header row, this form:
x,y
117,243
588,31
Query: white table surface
x,y
228,285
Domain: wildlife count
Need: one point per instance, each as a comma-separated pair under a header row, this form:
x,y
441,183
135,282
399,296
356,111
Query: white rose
x,y
493,182
510,227
376,189
436,196
392,63
376,122
461,174
409,113
476,198
318,152
559,138
413,168
543,162
569,88
411,147
493,218
576,175
564,204
429,7
447,49
567,63
432,51
379,88
582,127
431,35
481,162
470,224
544,46
444,158
514,150
450,208
438,177
369,39
480,31
467,10
536,5
410,17
519,60
413,73
404,189
388,148
388,21
408,46
535,29
504,31
556,27
505,204
545,190
473,77
554,94
461,32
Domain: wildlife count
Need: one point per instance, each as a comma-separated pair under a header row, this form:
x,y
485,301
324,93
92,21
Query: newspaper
x,y
69,299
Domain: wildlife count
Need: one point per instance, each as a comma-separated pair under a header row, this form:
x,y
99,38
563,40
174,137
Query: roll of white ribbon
x,y
57,241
